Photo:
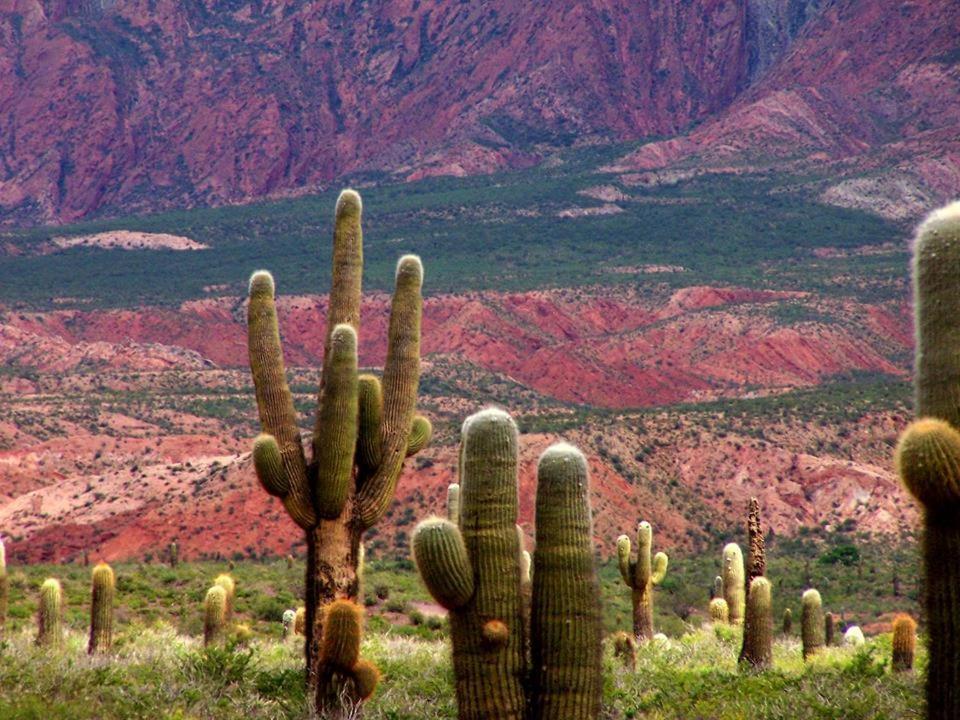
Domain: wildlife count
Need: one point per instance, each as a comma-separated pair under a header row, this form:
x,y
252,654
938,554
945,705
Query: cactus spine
x,y
733,582
50,614
4,587
101,609
787,621
904,643
641,574
758,625
811,623
214,616
475,571
928,455
364,429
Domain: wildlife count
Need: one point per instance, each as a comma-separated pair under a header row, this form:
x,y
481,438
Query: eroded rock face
x,y
162,103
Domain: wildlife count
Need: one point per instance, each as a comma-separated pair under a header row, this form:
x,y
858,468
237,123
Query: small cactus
x,y
788,621
640,575
853,636
733,582
214,616
173,554
289,617
230,589
289,562
904,643
758,625
101,609
829,629
625,650
50,614
453,503
719,612
717,590
300,621
812,623
341,668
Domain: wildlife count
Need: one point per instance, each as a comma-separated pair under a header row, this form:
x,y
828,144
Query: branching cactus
x,y
640,575
812,623
928,456
50,614
719,612
758,626
364,428
904,643
4,587
733,583
475,570
101,609
214,616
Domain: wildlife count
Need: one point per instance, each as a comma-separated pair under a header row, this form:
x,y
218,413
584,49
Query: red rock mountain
x,y
110,106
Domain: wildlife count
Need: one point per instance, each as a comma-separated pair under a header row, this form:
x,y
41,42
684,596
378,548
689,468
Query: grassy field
x,y
498,232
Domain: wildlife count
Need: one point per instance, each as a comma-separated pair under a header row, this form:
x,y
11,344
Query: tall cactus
x,y
50,614
364,428
214,616
734,590
4,587
758,625
904,642
640,575
101,609
475,571
928,455
811,623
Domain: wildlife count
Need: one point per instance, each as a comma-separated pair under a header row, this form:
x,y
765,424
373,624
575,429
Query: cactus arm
x,y
370,409
626,565
936,269
659,570
928,462
565,627
420,433
275,402
335,438
346,288
453,503
443,563
401,376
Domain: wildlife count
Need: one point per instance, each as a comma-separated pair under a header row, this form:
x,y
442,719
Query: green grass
x,y
156,673
497,232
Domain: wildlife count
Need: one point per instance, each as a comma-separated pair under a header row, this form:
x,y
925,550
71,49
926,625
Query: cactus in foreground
x,y
214,616
734,591
474,570
101,609
758,625
787,621
230,590
364,428
811,623
641,575
928,455
50,614
344,677
904,643
625,649
4,587
719,612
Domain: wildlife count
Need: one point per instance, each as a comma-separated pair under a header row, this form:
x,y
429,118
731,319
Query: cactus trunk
x,y
733,583
758,626
812,624
50,614
364,430
101,609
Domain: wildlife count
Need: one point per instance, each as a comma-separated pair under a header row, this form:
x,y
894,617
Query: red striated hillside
x,y
163,103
